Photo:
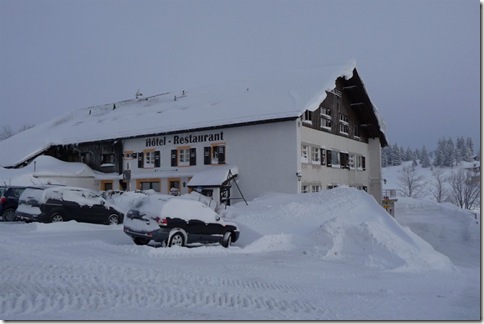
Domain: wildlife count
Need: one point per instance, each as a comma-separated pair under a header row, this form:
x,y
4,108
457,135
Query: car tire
x,y
113,219
177,239
9,215
56,217
226,240
141,241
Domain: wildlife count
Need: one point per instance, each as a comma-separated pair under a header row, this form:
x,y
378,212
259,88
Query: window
x,y
149,159
315,157
352,162
304,154
214,154
326,112
335,159
360,163
129,155
356,129
315,188
304,188
311,154
107,158
307,117
184,156
344,160
146,185
326,122
343,124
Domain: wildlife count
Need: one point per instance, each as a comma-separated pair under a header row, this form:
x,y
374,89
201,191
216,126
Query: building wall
x,y
315,173
265,154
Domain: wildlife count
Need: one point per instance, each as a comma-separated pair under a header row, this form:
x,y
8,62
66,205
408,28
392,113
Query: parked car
x,y
57,204
9,196
177,221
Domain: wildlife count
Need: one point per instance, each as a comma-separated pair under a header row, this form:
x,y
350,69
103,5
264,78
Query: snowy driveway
x,y
85,271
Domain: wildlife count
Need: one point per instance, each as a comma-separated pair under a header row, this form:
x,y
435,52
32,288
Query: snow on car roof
x,y
188,209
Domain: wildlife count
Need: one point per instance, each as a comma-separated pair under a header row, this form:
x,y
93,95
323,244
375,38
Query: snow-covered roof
x,y
213,177
278,96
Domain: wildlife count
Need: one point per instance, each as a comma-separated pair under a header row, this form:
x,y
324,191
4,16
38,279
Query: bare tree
x,y
412,185
438,181
466,191
5,132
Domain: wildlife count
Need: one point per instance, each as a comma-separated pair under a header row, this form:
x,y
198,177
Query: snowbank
x,y
343,224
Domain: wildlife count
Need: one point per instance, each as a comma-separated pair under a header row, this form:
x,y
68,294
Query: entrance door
x,y
174,186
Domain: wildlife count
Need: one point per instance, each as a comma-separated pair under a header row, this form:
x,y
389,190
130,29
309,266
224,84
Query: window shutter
x,y
221,154
157,159
206,155
323,156
140,159
328,158
363,163
193,156
174,157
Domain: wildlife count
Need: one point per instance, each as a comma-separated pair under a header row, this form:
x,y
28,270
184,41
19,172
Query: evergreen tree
x,y
384,156
409,156
424,157
470,149
449,157
395,156
461,150
439,154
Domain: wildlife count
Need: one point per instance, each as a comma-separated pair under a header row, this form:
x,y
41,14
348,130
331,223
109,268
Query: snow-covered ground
x,y
334,255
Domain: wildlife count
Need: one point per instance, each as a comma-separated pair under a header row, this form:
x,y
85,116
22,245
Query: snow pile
x,y
451,230
343,224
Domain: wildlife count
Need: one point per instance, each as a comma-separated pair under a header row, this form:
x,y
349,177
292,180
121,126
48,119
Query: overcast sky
x,y
419,59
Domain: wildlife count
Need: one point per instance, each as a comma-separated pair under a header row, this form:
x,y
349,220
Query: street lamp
x,y
299,176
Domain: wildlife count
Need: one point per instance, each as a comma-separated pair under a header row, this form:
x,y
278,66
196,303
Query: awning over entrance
x,y
216,177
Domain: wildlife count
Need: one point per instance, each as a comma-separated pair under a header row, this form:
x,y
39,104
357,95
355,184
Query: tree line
x,y
459,186
447,154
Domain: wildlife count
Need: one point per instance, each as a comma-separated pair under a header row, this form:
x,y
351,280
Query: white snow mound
x,y
342,224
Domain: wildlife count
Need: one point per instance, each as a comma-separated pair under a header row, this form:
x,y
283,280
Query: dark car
x,y
9,196
177,221
57,204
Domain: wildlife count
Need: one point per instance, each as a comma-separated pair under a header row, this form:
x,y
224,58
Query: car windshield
x,y
2,190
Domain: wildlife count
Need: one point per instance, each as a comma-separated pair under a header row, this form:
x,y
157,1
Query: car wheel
x,y
141,241
177,239
57,218
9,215
113,219
226,240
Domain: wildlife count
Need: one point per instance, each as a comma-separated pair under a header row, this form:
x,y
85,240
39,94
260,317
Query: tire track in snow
x,y
69,288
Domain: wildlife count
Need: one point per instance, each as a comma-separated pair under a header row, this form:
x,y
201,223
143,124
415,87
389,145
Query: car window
x,y
2,190
32,194
17,191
